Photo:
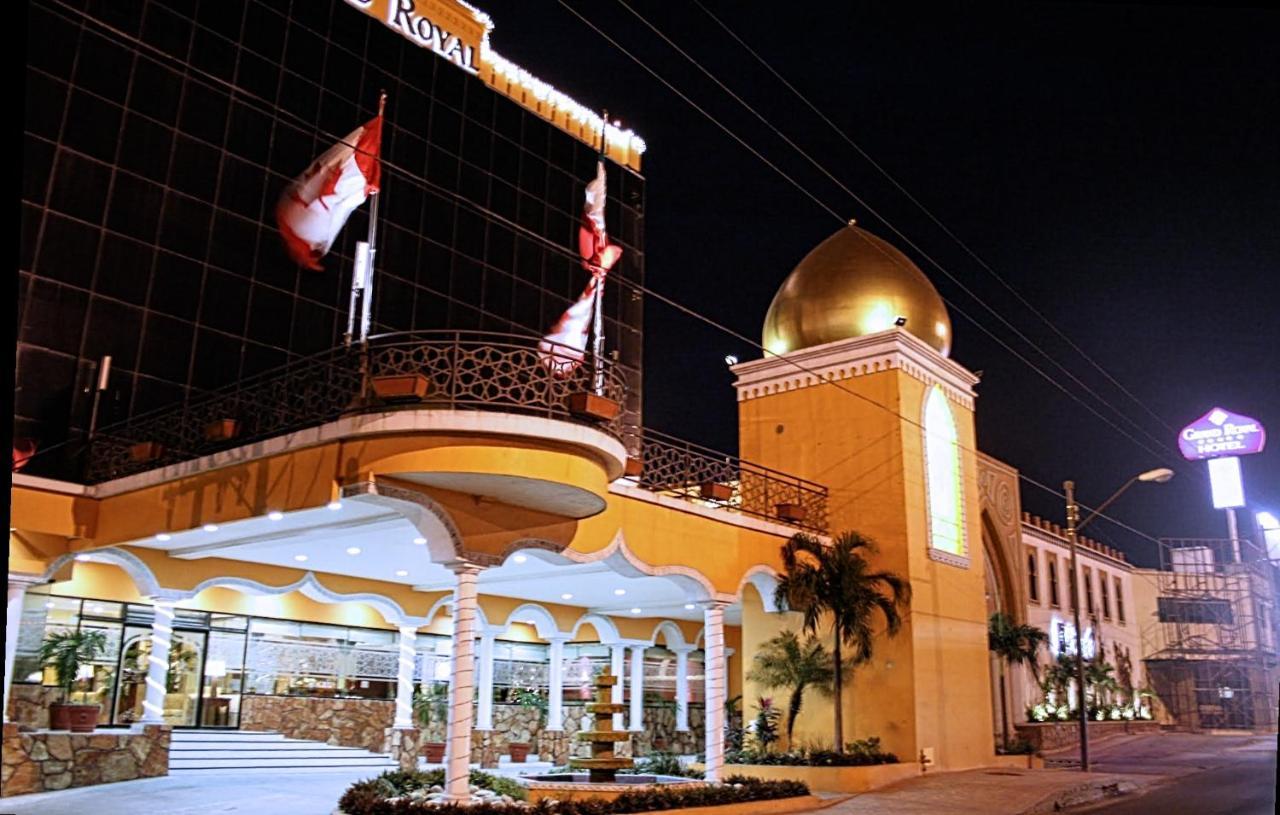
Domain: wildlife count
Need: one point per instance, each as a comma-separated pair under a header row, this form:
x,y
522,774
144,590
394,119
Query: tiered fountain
x,y
601,779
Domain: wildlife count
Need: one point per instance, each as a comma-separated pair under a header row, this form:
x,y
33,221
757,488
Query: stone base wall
x,y
1053,735
55,760
29,704
344,722
404,745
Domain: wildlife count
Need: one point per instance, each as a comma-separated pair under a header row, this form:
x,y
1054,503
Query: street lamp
x,y
1074,525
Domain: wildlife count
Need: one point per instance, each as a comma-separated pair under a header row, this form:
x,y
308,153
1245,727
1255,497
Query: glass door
x,y
182,685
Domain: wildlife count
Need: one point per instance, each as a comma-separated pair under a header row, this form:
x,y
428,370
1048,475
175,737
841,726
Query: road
x,y
1210,775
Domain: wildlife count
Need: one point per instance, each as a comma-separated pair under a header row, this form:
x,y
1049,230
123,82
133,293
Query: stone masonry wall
x,y
1052,735
55,760
344,722
29,704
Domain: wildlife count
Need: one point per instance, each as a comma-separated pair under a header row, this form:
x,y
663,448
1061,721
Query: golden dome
x,y
853,284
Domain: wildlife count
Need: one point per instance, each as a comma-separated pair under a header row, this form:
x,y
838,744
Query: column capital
x,y
461,567
23,580
713,605
682,649
407,630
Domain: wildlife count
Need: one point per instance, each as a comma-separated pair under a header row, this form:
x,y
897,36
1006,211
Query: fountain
x,y
601,779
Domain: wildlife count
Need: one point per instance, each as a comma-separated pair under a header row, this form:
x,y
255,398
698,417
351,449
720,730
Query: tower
x,y
857,392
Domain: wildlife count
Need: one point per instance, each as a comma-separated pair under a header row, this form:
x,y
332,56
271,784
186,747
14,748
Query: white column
x,y
158,662
462,684
555,684
404,677
637,688
484,710
617,655
682,688
12,621
713,620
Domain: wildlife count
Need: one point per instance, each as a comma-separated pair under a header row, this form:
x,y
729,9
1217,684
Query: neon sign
x,y
1221,433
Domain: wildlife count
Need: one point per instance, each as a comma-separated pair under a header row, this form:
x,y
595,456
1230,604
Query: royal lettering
x,y
403,16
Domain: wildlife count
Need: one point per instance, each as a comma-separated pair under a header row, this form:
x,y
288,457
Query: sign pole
x,y
372,247
1234,531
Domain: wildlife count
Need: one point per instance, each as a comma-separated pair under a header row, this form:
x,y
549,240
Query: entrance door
x,y
182,685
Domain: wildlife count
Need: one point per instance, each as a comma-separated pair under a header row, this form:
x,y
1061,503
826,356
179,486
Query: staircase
x,y
252,751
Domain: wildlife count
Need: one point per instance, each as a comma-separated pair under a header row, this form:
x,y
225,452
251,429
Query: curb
x,y
1081,794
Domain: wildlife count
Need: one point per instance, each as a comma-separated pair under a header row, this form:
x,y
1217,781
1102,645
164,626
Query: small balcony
x,y
448,370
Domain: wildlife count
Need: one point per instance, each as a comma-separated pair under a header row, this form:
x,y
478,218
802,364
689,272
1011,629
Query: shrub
x,y
370,798
664,763
498,783
857,754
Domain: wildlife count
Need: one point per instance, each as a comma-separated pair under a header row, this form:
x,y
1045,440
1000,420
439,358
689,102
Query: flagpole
x,y
597,320
371,252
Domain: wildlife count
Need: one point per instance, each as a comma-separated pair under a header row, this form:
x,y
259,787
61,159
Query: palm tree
x,y
787,662
1013,644
834,582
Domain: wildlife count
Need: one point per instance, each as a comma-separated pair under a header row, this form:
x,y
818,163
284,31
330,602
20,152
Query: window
x,y
1033,576
1053,582
1179,610
1106,595
1120,601
942,481
1088,589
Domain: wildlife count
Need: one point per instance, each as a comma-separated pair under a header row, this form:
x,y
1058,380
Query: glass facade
x,y
157,137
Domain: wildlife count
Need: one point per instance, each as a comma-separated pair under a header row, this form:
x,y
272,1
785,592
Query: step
x,y
364,770
220,735
367,760
304,754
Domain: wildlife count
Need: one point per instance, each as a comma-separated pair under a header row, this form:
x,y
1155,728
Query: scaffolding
x,y
1211,654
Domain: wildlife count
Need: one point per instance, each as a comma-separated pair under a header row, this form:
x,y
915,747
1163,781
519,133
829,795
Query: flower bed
x,y
410,793
859,753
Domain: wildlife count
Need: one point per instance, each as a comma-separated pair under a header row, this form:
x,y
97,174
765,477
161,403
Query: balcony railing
x,y
453,370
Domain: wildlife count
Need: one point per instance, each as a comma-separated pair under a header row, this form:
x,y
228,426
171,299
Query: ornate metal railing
x,y
451,370
681,469
468,370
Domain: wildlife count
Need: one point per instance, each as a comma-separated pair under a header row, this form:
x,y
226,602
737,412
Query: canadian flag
x,y
565,347
314,207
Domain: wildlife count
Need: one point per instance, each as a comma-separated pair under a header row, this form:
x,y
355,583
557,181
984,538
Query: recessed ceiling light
x,y
530,622
519,558
635,611
402,572
162,536
353,550
300,558
275,514
48,604
334,506
689,606
210,527
566,596
419,541
619,592
83,558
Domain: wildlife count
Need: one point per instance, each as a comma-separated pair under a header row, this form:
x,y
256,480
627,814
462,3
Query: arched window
x,y
942,481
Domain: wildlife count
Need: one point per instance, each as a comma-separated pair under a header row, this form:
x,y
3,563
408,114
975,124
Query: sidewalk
x,y
993,791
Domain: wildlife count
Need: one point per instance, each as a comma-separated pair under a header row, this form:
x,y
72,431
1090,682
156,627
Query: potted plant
x,y
527,697
428,706
65,652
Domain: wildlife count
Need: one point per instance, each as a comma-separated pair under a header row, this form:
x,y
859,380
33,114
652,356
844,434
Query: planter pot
x,y
221,430
593,406
401,388
146,451
519,752
433,752
715,491
793,513
76,718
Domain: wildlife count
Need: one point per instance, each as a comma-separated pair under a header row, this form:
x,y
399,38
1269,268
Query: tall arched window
x,y
942,480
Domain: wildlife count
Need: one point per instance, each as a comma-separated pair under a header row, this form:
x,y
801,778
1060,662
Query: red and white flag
x,y
565,347
314,207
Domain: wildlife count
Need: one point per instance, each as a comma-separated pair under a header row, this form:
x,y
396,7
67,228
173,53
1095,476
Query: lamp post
x,y
1074,525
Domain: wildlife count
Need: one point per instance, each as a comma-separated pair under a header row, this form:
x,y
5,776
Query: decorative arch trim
x,y
144,580
310,586
604,627
674,636
543,622
765,580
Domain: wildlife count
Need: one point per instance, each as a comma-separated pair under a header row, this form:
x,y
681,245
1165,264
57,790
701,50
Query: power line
x,y
1159,453
423,183
895,230
937,222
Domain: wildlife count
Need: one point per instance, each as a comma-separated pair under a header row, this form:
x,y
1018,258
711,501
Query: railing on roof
x,y
468,370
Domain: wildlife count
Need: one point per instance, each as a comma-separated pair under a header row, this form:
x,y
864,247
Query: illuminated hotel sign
x,y
459,33
1221,433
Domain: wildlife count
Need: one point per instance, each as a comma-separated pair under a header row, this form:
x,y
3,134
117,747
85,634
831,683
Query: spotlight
x,y
275,515
730,359
900,321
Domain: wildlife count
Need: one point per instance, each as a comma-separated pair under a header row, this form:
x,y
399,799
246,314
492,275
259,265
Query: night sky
x,y
1119,166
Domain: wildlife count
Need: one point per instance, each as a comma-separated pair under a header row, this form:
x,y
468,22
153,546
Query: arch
x,y
433,522
672,635
542,620
446,602
604,627
765,580
310,587
1004,575
144,580
619,557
